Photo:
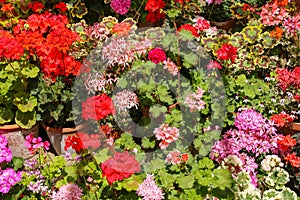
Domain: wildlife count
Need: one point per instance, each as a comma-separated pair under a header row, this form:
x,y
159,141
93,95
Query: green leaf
x,y
132,183
185,182
25,102
25,120
241,80
55,113
6,115
206,163
17,162
222,178
155,165
30,71
101,156
157,110
71,171
146,143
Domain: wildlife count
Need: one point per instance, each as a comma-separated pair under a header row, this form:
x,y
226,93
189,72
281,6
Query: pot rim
x,y
64,130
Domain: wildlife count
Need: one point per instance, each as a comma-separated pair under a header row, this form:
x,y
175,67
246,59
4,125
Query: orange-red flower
x,y
285,142
293,160
277,33
282,119
8,7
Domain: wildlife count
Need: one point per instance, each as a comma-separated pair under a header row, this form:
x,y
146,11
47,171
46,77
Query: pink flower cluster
x,y
175,157
272,14
157,55
202,24
120,6
170,66
214,1
125,100
253,137
68,192
292,24
167,134
5,152
33,143
288,78
194,101
9,178
149,190
98,31
214,65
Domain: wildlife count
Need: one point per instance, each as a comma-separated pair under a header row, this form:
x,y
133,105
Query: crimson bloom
x,y
97,107
120,166
75,142
189,28
157,55
36,6
226,52
285,142
61,6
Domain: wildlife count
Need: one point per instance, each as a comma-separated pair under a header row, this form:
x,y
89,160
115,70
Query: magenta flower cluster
x,y
149,190
254,135
5,153
292,24
157,55
8,177
120,6
33,143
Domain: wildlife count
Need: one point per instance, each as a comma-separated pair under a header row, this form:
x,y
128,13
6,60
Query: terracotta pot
x,y
57,136
292,128
16,137
226,25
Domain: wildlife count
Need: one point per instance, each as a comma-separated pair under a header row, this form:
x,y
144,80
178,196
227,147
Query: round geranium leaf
x,y
6,115
25,120
25,102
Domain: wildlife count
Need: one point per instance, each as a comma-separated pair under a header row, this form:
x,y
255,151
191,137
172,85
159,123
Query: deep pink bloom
x,y
33,143
120,6
157,55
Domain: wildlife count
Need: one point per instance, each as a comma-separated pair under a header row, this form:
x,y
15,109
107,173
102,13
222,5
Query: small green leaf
x,y
30,71
25,102
17,162
185,182
222,178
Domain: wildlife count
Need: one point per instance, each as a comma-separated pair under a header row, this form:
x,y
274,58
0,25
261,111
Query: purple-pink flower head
x,y
214,1
68,192
149,190
120,6
157,55
249,119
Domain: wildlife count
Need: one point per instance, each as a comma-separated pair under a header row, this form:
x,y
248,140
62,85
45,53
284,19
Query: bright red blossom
x,y
75,142
36,6
154,6
189,28
120,166
157,55
293,160
61,6
282,119
226,52
97,107
285,142
89,140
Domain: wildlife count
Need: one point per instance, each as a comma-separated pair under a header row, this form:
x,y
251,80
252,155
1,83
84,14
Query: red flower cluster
x,y
97,107
47,37
75,142
202,24
36,6
285,142
157,55
282,119
189,28
120,166
288,78
90,141
154,14
61,6
10,48
226,52
293,160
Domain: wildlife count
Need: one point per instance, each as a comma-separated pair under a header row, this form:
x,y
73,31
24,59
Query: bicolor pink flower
x,y
68,192
166,134
194,100
170,66
148,190
120,6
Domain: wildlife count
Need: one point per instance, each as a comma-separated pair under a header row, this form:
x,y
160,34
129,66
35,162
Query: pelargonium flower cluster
x,y
167,134
214,1
120,166
33,143
97,107
5,152
8,178
227,52
125,100
10,48
282,119
254,135
190,28
46,36
288,78
154,10
68,192
170,66
194,100
120,6
175,157
98,82
148,190
271,161
98,31
201,24
157,55
272,14
292,24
